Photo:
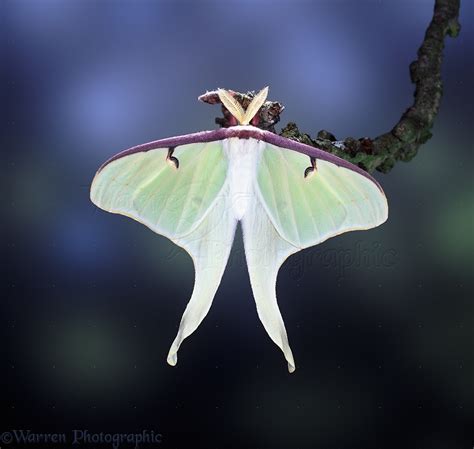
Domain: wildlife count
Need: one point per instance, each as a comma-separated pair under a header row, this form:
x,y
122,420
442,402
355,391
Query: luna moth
x,y
195,188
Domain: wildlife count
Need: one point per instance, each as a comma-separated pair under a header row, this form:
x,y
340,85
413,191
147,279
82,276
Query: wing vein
x,y
191,189
289,200
308,206
173,190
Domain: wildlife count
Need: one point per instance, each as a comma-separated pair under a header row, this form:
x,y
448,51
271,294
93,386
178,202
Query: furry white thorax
x,y
244,157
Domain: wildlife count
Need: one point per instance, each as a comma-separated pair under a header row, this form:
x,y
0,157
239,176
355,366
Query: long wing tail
x,y
265,252
209,246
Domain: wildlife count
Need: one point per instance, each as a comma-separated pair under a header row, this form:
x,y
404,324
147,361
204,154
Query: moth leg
x,y
311,170
172,160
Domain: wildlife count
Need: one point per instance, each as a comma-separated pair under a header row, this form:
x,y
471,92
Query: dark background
x,y
381,322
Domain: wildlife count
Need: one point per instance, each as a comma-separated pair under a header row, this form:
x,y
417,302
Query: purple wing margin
x,y
242,132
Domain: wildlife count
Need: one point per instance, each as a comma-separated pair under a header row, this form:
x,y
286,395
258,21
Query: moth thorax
x,y
243,156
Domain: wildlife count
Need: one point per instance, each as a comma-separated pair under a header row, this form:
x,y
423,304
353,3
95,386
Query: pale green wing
x,y
189,205
290,212
308,210
148,188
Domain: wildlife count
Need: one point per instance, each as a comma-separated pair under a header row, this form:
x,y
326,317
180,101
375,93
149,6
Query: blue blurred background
x,y
381,322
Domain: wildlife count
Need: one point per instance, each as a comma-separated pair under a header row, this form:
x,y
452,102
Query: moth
x,y
195,188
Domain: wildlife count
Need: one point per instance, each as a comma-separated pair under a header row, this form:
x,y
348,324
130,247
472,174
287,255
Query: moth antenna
x,y
255,105
232,105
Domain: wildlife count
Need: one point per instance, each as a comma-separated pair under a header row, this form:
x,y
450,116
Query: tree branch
x,y
414,127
